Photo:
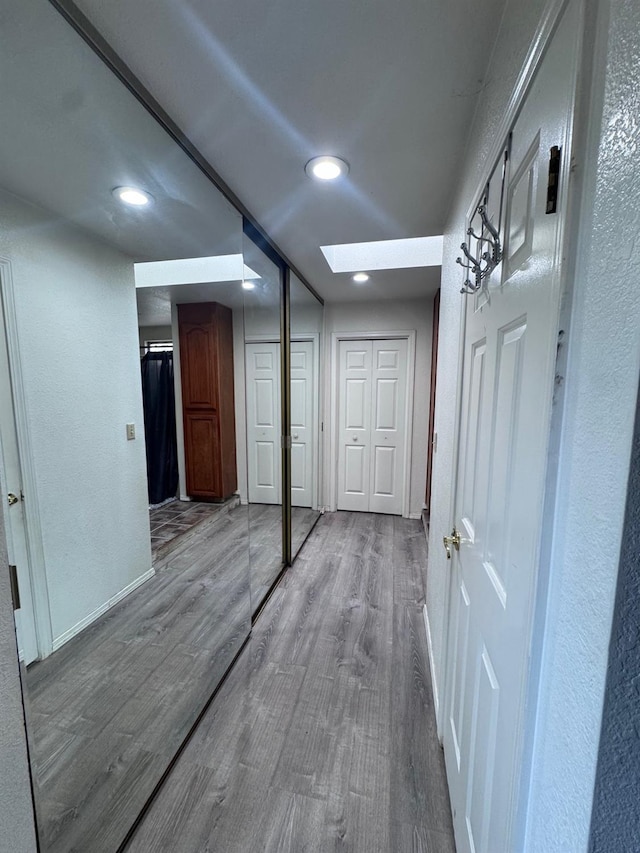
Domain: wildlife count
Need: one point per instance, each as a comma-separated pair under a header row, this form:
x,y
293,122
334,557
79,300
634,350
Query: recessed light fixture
x,y
132,196
360,277
326,168
248,285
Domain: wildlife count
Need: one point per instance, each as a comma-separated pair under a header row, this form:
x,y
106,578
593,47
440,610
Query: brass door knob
x,y
448,541
12,499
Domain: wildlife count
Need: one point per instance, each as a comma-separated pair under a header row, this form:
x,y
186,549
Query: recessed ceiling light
x,y
132,196
361,277
248,285
326,168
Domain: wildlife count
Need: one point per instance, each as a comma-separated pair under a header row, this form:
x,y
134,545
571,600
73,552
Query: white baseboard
x,y
416,516
99,611
432,668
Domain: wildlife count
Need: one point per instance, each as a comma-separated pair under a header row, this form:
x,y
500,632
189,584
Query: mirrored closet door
x,y
263,290
305,330
123,429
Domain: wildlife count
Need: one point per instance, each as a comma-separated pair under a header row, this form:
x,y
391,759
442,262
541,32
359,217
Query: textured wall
x,y
78,340
601,390
387,317
16,812
615,823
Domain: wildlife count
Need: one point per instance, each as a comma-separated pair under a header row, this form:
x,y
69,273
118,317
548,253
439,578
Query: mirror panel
x,y
114,397
306,326
263,383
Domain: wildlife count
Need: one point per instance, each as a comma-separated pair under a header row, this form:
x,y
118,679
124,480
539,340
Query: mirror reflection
x,y
306,320
263,382
122,430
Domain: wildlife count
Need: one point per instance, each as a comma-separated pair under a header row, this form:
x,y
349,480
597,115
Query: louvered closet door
x,y
372,420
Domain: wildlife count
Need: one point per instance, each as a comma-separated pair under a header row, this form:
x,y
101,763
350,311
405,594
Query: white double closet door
x,y
264,422
372,425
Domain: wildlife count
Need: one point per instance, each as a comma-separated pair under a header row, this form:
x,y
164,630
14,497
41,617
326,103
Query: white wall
x,y
78,341
601,389
573,623
387,316
154,333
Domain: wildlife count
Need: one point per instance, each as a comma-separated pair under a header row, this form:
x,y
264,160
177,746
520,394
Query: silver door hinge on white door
x,y
285,442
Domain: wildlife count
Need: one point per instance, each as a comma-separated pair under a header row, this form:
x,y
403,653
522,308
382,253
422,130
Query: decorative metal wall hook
x,y
480,267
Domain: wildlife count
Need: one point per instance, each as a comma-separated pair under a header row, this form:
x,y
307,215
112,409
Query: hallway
x,y
323,736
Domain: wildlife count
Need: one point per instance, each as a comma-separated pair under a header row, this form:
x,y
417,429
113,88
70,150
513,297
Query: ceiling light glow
x,y
248,285
360,277
326,168
132,196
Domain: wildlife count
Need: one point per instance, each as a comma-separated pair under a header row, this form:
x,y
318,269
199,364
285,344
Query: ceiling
x,y
261,87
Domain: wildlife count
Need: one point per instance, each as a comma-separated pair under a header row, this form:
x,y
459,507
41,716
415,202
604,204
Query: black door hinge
x,y
15,589
553,183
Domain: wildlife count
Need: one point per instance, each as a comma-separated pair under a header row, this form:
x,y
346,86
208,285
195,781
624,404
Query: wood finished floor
x,y
108,711
323,736
265,536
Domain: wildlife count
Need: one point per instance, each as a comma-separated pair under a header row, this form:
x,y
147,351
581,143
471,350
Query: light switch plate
x,y
131,432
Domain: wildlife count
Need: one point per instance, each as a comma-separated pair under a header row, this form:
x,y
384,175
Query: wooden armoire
x,y
206,369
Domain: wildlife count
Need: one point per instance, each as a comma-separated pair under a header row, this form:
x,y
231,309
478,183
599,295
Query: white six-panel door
x,y
372,425
302,393
263,422
508,381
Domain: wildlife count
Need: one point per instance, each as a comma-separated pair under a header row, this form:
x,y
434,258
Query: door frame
x,y
565,249
314,337
334,374
32,524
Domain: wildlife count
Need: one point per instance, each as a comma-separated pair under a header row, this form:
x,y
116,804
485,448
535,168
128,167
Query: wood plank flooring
x,y
323,736
265,535
109,710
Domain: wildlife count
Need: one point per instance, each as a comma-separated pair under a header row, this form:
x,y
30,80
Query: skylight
x,y
385,254
193,271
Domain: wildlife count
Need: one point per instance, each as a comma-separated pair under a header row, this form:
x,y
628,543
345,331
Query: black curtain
x,y
160,425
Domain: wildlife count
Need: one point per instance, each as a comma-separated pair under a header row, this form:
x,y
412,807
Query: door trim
x,y
33,526
334,374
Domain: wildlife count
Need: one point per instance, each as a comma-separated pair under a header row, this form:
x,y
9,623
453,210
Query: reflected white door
x,y
372,425
508,382
263,422
302,396
11,482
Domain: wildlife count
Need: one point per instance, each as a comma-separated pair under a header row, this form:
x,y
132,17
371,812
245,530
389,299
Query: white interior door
x,y
388,420
372,425
508,381
354,430
263,422
302,429
11,482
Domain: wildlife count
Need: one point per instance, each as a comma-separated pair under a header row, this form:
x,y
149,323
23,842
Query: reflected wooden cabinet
x,y
206,369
